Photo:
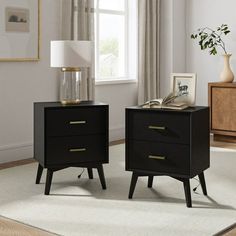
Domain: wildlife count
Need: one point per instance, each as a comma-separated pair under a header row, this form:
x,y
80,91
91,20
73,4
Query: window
x,y
112,39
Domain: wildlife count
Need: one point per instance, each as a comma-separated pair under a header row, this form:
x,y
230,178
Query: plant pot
x,y
227,75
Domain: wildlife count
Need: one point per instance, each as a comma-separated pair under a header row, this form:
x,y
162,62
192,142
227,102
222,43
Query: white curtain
x,y
78,24
148,50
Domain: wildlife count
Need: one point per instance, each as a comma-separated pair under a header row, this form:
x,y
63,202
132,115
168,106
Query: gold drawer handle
x,y
77,150
156,127
157,157
77,122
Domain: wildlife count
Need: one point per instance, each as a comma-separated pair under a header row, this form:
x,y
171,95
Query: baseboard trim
x,y
16,163
117,142
116,133
15,146
15,152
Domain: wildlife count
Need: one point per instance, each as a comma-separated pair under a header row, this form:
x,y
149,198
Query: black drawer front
x,y
76,121
159,157
156,126
76,149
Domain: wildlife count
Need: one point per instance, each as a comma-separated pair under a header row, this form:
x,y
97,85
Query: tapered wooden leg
x,y
90,173
203,183
133,184
48,181
39,174
101,176
187,192
150,181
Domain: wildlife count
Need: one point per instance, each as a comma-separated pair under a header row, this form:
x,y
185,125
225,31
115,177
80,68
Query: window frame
x,y
125,13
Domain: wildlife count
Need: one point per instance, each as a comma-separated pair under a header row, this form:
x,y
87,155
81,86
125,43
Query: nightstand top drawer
x,y
76,121
159,157
158,126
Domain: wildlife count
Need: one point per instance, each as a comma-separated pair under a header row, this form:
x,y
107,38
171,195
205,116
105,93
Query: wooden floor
x,y
223,144
16,163
13,228
230,231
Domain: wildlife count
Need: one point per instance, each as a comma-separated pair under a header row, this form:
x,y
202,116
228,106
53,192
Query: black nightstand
x,y
70,136
168,142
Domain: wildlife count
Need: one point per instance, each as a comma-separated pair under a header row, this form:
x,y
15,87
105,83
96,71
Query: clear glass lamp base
x,y
70,87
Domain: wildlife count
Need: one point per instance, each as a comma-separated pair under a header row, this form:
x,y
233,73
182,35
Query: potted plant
x,y
212,40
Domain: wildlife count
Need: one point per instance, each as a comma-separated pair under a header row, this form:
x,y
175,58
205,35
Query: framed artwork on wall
x,y
19,30
185,85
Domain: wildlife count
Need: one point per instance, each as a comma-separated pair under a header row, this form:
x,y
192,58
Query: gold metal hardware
x,y
77,149
77,122
157,157
70,69
70,102
156,127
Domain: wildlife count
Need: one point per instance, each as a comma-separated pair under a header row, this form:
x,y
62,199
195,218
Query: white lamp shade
x,y
71,54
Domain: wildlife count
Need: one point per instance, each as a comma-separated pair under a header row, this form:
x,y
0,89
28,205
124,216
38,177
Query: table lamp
x,y
71,56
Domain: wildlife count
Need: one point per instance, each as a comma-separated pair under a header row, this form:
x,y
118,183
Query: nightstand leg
x,y
133,184
203,183
39,174
150,181
187,192
48,182
90,173
101,176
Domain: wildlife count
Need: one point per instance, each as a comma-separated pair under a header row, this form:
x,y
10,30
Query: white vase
x,y
227,75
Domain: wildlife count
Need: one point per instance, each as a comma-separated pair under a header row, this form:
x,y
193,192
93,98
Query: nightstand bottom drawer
x,y
76,149
159,157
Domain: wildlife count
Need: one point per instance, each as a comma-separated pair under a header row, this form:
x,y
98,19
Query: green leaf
x,y
211,38
214,51
193,36
210,45
205,44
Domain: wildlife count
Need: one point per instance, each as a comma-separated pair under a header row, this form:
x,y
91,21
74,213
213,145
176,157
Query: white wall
x,y
173,45
23,83
212,13
118,96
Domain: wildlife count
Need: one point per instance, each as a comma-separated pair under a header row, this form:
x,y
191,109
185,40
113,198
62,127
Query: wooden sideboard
x,y
222,102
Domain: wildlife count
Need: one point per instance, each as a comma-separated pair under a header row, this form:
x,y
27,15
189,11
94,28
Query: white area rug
x,y
81,207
